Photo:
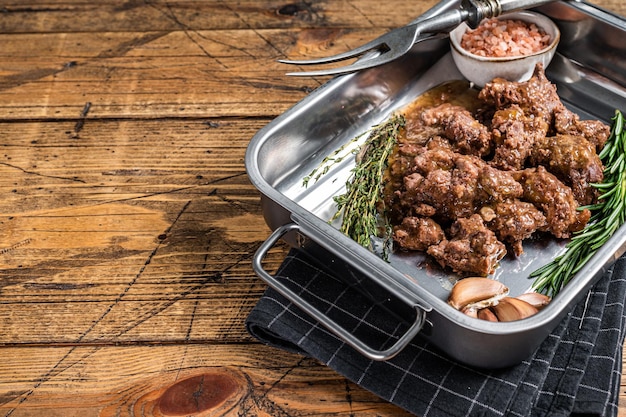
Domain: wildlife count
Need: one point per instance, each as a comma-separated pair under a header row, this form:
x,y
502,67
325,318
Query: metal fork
x,y
435,23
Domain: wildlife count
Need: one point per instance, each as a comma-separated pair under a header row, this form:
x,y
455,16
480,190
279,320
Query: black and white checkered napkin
x,y
576,371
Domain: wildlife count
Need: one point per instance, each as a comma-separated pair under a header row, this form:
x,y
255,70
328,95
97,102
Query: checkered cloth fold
x,y
575,371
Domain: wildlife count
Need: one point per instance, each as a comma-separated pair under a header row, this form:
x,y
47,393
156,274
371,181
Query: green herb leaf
x,y
362,205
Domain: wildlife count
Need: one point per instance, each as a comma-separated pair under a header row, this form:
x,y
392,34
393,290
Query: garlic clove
x,y
487,314
511,309
472,312
535,299
476,293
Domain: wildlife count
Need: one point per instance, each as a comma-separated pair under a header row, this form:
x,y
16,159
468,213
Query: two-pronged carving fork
x,y
438,21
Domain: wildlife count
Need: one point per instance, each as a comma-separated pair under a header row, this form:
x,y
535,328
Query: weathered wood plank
x,y
128,231
118,16
132,75
193,379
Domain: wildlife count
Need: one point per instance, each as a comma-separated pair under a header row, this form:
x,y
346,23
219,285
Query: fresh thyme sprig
x,y
608,214
360,205
330,160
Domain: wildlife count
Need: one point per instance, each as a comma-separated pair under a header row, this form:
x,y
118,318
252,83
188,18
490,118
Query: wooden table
x,y
127,221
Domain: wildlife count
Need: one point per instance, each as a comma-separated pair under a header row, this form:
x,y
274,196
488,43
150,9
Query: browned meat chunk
x,y
594,131
417,233
472,248
574,161
436,191
405,201
513,221
466,134
419,134
554,199
537,97
416,132
498,185
514,134
433,158
407,158
452,191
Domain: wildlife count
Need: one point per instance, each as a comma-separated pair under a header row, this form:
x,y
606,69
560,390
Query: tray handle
x,y
324,320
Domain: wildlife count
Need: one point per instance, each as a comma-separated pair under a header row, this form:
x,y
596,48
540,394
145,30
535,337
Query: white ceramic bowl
x,y
481,70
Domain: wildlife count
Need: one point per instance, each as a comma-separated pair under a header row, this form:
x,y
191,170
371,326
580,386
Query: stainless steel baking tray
x,y
590,73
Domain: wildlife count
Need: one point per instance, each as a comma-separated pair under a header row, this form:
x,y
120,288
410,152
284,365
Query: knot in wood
x,y
198,393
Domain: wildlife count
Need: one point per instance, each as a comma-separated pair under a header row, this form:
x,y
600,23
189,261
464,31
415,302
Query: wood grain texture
x,y
178,380
127,221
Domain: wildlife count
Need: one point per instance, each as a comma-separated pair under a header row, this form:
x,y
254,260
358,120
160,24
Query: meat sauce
x,y
475,173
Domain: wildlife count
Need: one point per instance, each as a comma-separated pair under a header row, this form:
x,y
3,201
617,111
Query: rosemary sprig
x,y
362,202
608,214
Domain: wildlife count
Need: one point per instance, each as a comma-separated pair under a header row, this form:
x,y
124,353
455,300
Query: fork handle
x,y
484,9
471,12
507,6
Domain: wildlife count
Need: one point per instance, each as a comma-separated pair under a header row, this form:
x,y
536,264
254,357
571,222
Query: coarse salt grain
x,y
504,38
